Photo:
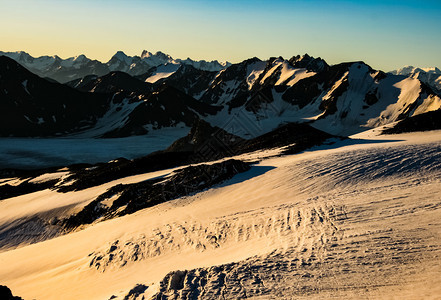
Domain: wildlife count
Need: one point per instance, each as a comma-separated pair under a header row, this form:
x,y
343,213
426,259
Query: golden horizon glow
x,y
227,30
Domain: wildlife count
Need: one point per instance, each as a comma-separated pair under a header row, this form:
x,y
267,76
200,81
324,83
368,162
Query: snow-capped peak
x,y
121,56
64,70
160,58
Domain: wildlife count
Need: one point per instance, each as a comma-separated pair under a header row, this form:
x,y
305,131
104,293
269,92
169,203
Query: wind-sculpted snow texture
x,y
356,219
355,239
288,221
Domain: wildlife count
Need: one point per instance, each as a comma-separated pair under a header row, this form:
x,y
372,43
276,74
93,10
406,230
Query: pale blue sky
x,y
385,34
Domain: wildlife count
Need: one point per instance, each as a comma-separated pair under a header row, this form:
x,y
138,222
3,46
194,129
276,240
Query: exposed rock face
x,y
229,84
32,106
255,96
310,63
166,107
135,292
206,140
9,191
111,83
213,143
296,138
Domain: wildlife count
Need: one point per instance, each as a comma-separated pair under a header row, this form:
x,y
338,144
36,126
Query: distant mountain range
x,y
64,70
246,99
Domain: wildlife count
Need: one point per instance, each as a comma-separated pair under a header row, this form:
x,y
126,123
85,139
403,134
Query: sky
x,y
385,34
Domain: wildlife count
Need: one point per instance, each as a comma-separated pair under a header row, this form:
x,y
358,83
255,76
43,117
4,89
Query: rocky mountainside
x,y
111,83
65,70
246,99
160,58
113,105
32,106
340,99
165,107
424,122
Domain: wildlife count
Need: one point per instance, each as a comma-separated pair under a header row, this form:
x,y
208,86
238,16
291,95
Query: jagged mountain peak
x,y
146,53
58,69
274,59
308,62
435,70
24,56
159,54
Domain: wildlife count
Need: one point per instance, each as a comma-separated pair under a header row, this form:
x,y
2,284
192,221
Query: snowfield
x,y
163,71
357,219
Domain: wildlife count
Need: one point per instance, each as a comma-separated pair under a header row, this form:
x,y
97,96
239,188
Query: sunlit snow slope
x,y
359,219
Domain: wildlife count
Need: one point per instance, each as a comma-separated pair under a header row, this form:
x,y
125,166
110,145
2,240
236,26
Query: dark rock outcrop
x,y
209,141
32,106
111,83
6,294
423,122
166,107
134,197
